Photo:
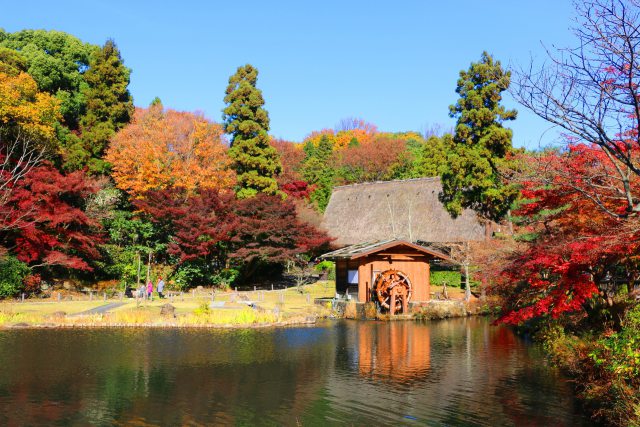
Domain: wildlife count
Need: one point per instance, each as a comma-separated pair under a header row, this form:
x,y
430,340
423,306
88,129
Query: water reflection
x,y
393,351
459,372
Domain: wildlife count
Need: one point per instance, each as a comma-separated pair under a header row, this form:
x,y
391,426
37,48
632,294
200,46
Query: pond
x,y
457,372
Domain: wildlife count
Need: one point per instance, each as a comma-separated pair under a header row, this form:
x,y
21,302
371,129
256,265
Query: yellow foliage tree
x,y
356,132
26,111
166,148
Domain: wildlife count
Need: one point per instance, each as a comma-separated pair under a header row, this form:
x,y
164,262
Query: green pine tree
x,y
317,170
471,178
256,162
109,108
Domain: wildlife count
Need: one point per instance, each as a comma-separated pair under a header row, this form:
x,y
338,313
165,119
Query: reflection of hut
x,y
377,225
396,351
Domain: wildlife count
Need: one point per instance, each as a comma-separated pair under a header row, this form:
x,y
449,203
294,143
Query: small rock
x,y
168,310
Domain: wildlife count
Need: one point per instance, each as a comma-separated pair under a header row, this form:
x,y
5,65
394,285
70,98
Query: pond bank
x,y
605,368
161,325
429,310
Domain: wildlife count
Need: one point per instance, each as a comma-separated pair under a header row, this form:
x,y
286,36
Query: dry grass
x,y
48,307
189,310
243,316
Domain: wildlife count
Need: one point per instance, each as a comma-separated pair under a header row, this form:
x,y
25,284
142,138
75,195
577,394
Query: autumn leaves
x,y
163,148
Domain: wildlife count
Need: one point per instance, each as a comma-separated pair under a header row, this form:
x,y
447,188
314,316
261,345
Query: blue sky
x,y
393,63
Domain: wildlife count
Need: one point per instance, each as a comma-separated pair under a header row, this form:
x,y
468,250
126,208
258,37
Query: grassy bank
x,y
605,366
230,309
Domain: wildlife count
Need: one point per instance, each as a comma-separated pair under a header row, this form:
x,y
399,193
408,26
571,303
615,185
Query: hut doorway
x,y
393,290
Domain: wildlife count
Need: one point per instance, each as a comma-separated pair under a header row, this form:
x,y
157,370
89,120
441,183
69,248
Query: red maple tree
x,y
269,233
584,237
44,222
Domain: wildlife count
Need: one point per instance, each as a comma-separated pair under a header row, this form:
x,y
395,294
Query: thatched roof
x,y
403,210
360,250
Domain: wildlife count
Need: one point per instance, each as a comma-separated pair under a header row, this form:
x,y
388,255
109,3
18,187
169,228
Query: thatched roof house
x,y
402,210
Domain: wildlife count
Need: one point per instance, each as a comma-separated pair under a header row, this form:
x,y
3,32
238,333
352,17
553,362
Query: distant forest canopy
x,y
95,189
111,187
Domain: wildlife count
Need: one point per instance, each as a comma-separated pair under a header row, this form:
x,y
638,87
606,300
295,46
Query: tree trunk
x,y
139,267
483,288
467,285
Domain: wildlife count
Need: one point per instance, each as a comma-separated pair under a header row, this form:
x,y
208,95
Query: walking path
x,y
100,310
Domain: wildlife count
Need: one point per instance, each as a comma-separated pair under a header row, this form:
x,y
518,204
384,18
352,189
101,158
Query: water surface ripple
x,y
461,372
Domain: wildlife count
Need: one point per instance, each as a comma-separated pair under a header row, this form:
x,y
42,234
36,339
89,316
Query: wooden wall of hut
x,y
412,263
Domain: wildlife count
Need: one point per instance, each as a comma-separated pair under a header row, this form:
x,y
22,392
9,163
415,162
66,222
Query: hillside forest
x,y
99,192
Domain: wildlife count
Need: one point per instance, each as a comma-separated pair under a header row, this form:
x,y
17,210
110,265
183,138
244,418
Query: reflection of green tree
x,y
264,377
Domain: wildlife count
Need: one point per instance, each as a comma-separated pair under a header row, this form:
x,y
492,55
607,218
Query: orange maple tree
x,y
163,148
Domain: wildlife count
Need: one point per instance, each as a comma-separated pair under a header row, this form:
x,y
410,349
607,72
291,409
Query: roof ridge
x,y
431,178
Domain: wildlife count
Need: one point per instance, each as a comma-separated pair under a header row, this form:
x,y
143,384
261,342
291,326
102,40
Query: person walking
x,y
160,288
150,290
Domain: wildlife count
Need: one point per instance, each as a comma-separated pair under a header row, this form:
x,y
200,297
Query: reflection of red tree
x,y
397,351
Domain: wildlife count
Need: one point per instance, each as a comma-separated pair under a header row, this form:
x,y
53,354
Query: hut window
x,y
352,277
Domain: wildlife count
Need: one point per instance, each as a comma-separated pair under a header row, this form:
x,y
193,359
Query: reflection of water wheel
x,y
392,281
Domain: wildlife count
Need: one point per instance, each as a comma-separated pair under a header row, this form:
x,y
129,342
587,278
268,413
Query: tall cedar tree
x,y
256,162
270,234
109,107
480,144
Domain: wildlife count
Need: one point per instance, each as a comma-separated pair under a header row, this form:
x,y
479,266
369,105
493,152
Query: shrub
x,y
438,277
326,266
225,278
616,359
12,275
186,277
32,283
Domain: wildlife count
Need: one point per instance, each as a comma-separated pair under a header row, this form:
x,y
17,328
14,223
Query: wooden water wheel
x,y
392,284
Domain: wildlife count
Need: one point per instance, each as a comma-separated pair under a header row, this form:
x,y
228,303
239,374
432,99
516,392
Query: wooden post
x,y
90,296
105,295
272,286
405,304
23,297
59,296
139,262
392,302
